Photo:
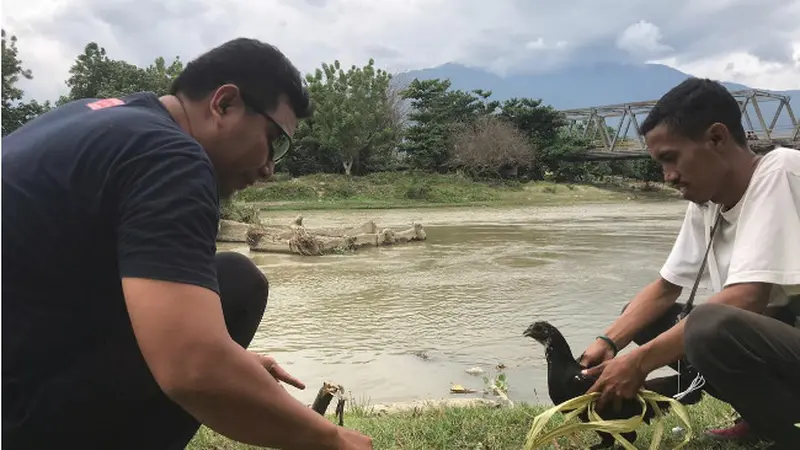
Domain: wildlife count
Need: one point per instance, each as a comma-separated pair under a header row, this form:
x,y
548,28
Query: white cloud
x,y
642,39
744,68
506,36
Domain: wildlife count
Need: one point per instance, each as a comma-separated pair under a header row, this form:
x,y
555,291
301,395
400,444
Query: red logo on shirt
x,y
105,103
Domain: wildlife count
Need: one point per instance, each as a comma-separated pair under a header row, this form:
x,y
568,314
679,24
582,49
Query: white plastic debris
x,y
475,371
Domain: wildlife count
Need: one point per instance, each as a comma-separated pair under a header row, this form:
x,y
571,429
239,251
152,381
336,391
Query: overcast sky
x,y
754,42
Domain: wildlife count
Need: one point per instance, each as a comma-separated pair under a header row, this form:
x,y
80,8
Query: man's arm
x,y
167,224
647,306
182,335
679,270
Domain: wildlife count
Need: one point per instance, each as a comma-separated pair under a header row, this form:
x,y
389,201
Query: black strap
x,y
690,302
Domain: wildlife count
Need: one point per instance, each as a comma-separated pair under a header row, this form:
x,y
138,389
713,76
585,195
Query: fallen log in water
x,y
231,231
297,239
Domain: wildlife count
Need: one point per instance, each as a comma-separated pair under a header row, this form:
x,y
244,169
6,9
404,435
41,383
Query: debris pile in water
x,y
297,239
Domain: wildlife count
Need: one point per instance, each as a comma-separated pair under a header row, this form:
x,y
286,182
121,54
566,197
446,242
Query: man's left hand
x,y
620,378
278,372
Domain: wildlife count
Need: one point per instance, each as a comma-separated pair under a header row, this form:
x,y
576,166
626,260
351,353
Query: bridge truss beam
x,y
616,129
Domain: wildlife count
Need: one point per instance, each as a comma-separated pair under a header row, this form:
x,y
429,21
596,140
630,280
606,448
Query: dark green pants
x,y
748,360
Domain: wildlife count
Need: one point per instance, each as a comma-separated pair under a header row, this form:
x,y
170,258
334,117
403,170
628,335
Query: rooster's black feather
x,y
565,382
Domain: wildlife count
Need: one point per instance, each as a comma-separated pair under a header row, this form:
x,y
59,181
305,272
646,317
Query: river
x,y
402,323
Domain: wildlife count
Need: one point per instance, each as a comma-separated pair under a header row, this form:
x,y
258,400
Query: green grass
x,y
486,428
405,190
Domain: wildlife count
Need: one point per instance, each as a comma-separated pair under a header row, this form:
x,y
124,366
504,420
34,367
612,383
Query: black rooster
x,y
565,381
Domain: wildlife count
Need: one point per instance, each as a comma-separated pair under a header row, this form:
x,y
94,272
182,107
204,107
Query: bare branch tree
x,y
490,147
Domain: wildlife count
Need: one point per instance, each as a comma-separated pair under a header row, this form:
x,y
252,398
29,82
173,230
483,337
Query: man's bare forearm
x,y
200,367
235,396
648,305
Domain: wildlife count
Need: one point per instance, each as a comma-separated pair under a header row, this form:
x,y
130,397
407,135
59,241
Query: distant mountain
x,y
577,87
580,87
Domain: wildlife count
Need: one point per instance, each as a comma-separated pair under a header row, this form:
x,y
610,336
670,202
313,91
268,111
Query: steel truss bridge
x,y
614,130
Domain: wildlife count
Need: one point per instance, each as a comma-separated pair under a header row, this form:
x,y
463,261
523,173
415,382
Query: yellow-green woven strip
x,y
536,438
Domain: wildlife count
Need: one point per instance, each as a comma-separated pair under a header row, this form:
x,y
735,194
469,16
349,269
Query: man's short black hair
x,y
694,105
258,69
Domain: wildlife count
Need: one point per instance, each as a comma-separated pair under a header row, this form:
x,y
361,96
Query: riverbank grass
x,y
407,190
490,428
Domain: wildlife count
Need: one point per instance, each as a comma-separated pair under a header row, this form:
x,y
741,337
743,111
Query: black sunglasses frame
x,y
277,154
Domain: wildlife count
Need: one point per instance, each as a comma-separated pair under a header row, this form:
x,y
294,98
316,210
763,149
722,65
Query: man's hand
x,y
620,378
347,439
278,372
648,305
353,440
597,353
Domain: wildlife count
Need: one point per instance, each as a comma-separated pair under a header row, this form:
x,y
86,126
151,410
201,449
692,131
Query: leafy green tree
x,y
307,156
539,122
436,113
159,75
644,169
561,160
361,123
12,70
352,116
95,75
16,112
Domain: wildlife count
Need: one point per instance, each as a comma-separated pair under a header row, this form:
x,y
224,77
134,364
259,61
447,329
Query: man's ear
x,y
718,135
224,98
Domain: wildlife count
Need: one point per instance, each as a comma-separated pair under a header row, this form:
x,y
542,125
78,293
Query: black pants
x,y
748,360
110,399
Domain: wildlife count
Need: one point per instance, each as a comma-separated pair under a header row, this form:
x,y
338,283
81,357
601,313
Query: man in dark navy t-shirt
x,y
122,326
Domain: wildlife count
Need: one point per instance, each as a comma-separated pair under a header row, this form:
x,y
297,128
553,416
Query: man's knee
x,y
708,328
244,290
239,277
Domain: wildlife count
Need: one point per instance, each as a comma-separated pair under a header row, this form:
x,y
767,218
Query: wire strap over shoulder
x,y
690,302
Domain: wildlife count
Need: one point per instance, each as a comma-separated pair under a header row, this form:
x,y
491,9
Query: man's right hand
x,y
595,354
648,305
353,440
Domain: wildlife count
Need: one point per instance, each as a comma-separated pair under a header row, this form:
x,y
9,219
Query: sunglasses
x,y
279,145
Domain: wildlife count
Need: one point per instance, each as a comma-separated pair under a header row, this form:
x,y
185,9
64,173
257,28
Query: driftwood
x,y
324,398
297,239
230,231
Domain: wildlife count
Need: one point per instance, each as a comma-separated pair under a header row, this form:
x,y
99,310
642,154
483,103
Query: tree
x,y
388,157
647,170
16,112
159,75
540,123
365,121
557,161
12,70
490,147
95,75
353,112
436,112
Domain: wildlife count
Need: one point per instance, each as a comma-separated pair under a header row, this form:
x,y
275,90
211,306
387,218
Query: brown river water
x,y
462,298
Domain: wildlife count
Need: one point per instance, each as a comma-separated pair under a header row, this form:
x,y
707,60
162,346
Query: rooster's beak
x,y
526,333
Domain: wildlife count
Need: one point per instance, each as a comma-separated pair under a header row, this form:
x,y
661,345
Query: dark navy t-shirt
x,y
94,191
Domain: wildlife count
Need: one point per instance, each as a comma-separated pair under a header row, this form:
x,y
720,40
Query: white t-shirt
x,y
758,240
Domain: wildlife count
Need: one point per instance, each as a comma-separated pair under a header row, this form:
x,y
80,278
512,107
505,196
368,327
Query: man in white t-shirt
x,y
742,339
